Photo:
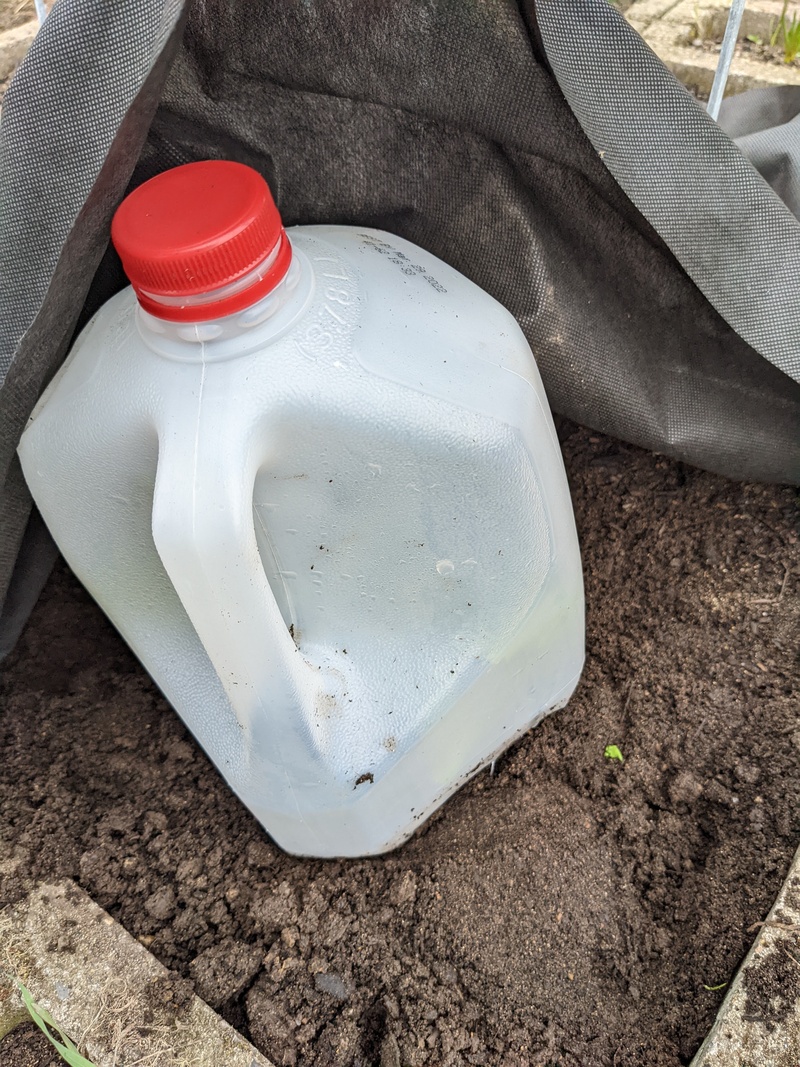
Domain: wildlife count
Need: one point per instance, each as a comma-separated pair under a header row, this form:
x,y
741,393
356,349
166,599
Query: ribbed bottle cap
x,y
201,241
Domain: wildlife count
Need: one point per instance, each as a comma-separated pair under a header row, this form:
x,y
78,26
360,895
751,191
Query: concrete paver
x,y
105,990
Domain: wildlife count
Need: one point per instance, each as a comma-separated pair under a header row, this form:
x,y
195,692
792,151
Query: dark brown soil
x,y
571,911
28,1047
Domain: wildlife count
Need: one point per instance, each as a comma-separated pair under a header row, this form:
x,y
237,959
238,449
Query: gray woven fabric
x,y
48,168
765,124
36,557
73,122
730,232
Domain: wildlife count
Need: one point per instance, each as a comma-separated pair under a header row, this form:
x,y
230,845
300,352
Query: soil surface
x,y
569,911
28,1047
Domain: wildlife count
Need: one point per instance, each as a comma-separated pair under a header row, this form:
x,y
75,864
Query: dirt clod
x,y
161,904
222,972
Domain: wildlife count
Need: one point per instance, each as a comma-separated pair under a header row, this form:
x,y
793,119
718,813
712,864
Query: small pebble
x,y
332,984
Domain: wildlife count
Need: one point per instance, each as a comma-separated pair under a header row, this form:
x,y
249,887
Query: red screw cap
x,y
201,241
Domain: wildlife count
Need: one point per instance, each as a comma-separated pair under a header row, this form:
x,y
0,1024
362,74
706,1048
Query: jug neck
x,y
237,334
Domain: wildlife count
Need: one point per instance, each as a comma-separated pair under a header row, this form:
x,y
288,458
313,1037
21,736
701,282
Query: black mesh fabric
x,y
541,149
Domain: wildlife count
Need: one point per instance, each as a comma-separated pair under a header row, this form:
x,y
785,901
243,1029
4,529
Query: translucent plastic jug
x,y
312,478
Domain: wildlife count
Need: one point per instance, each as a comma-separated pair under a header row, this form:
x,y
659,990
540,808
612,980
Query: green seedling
x,y
790,32
714,988
791,39
773,37
613,753
50,1028
753,38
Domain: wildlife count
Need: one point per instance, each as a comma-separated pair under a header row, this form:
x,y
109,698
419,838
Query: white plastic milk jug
x,y
313,480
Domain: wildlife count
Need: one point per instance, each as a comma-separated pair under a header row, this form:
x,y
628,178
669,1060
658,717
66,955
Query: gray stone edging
x,y
758,1024
104,989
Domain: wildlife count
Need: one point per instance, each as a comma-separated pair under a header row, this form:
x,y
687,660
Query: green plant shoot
x,y
612,752
773,39
791,39
714,988
47,1024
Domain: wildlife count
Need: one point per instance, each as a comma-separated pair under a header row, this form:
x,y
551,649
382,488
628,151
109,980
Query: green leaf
x,y
781,25
47,1024
714,988
612,752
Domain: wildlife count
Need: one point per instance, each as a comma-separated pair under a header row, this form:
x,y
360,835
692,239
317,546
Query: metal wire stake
x,y
725,57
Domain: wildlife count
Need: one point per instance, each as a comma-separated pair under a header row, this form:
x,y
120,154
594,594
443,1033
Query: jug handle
x,y
202,525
